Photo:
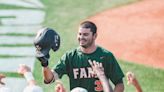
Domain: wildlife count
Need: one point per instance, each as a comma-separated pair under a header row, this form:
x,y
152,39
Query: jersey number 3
x,y
98,86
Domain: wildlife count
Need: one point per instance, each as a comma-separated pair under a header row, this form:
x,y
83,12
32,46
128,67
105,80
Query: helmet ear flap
x,y
56,43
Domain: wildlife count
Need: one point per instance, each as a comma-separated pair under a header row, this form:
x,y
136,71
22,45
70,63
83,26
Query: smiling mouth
x,y
82,41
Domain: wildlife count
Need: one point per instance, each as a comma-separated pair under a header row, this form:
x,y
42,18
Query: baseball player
x,y
74,63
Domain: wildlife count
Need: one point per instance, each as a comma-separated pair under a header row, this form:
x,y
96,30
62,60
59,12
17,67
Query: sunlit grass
x,y
16,45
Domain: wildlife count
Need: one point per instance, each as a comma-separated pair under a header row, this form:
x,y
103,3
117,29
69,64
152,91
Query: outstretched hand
x,y
130,78
99,70
1,77
97,67
59,87
23,69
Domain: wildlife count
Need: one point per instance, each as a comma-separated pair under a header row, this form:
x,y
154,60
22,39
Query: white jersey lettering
x,y
90,72
75,73
83,73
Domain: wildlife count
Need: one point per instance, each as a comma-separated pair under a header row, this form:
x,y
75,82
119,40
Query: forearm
x,y
30,78
119,87
48,75
137,86
105,83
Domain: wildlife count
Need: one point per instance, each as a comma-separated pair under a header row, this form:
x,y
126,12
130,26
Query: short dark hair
x,y
89,24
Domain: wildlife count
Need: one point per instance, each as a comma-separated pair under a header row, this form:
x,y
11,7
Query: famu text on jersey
x,y
86,72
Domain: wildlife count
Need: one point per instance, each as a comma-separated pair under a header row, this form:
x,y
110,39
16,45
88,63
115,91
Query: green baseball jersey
x,y
75,64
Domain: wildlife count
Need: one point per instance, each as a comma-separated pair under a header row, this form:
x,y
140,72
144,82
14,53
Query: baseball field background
x,y
65,15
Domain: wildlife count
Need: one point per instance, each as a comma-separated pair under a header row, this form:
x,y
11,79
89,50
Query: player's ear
x,y
95,35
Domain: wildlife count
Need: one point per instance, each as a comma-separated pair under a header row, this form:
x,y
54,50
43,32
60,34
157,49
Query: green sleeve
x,y
61,66
114,71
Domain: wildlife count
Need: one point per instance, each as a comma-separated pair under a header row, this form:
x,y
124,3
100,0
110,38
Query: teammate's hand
x,y
97,68
130,78
59,88
44,60
23,69
1,77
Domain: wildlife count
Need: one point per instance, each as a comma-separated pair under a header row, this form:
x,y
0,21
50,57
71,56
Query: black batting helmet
x,y
46,39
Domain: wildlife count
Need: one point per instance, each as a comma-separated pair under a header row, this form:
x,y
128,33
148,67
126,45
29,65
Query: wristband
x,y
28,76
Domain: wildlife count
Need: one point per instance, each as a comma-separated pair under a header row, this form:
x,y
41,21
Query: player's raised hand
x,y
133,80
23,69
99,71
130,78
97,67
59,87
1,77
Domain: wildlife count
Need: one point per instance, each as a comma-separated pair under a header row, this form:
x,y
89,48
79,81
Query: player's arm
x,y
119,87
105,83
51,76
47,74
45,40
116,75
26,72
137,86
133,80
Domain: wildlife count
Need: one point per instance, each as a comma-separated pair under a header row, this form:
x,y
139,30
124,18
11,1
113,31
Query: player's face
x,y
85,37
